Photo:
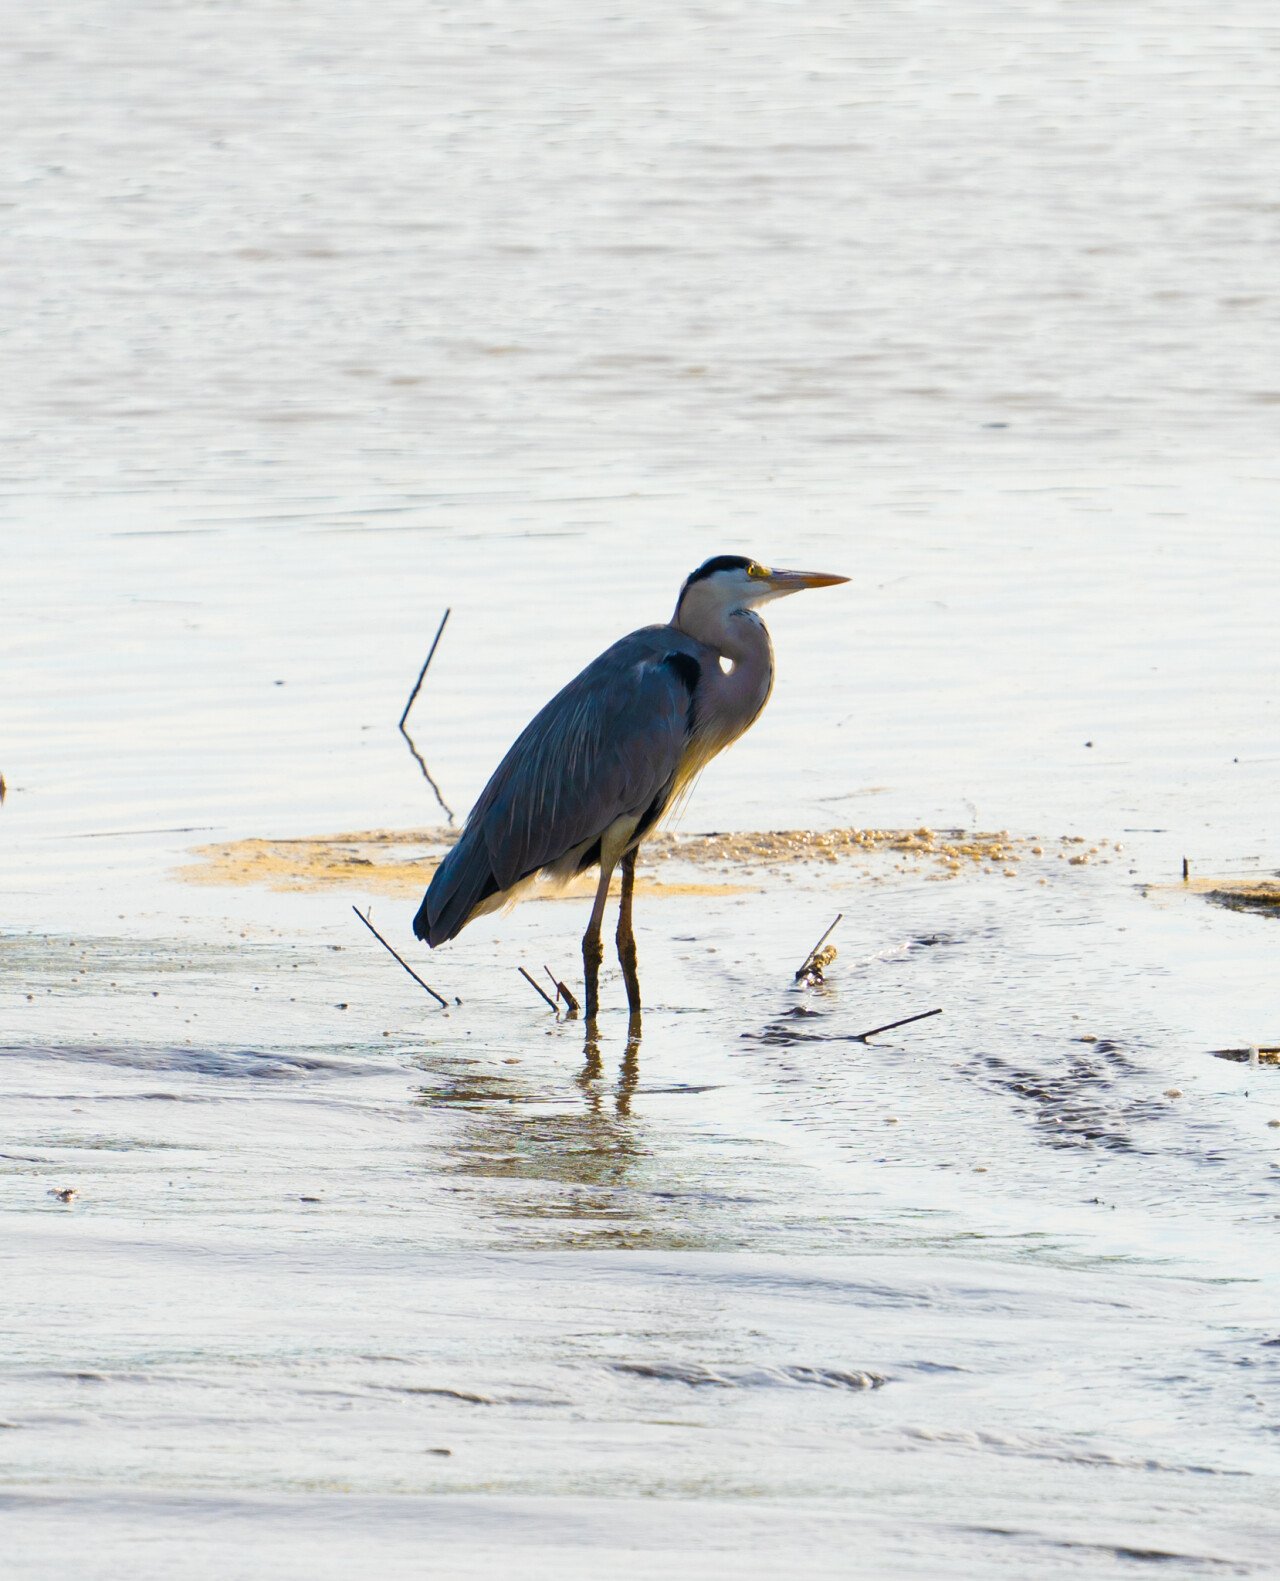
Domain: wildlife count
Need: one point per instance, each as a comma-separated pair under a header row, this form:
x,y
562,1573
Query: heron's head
x,y
727,584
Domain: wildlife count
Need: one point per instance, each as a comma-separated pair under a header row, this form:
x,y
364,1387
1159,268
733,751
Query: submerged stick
x,y
537,986
422,673
437,997
861,1037
563,990
417,687
426,774
809,958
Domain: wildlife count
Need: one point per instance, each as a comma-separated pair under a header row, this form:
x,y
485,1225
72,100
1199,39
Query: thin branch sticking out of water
x,y
426,774
808,960
537,986
861,1037
439,998
422,673
562,989
417,687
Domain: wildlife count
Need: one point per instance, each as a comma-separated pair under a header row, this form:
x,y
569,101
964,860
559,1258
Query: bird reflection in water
x,y
571,1152
629,1073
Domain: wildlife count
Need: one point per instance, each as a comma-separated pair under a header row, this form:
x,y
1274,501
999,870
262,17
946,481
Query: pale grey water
x,y
322,319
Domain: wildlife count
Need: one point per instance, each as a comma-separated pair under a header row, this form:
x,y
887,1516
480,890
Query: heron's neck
x,y
743,640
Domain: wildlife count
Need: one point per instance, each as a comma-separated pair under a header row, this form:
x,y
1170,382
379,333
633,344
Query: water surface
x,y
332,320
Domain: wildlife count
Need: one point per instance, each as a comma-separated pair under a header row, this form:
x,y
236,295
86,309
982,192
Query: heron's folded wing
x,y
605,747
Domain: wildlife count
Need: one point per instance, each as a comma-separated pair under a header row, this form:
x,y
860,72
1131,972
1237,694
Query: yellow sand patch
x,y
401,862
381,860
1266,891
1238,894
375,860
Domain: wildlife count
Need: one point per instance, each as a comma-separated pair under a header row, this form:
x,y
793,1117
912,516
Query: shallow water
x,y
338,319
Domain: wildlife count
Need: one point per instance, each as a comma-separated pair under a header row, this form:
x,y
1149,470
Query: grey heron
x,y
594,772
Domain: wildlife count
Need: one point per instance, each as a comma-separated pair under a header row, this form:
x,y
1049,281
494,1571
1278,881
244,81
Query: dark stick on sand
x,y
417,687
861,1037
808,958
400,958
563,990
537,986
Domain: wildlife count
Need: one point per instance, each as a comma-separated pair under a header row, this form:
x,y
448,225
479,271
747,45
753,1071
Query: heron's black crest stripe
x,y
719,562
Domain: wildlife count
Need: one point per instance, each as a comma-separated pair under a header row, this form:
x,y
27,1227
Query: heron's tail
x,y
463,881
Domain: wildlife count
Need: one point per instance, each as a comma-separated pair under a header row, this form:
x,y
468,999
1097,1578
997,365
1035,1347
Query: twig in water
x,y
537,986
422,673
861,1037
563,990
808,958
426,774
437,997
417,687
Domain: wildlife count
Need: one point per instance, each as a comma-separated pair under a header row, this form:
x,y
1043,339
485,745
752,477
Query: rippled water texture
x,y
325,319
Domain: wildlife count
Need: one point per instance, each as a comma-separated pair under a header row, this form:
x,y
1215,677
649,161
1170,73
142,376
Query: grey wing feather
x,y
607,746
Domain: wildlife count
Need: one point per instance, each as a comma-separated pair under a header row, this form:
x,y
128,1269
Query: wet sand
x,y
310,1244
376,858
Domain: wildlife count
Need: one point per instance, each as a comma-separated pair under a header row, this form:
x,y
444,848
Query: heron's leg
x,y
592,948
626,937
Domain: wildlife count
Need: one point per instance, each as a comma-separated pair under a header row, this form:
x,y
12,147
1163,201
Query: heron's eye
x,y
757,570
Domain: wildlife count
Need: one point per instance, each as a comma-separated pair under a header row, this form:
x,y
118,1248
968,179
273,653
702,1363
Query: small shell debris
x,y
815,970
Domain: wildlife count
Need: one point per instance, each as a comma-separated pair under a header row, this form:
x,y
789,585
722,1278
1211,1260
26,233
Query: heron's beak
x,y
796,581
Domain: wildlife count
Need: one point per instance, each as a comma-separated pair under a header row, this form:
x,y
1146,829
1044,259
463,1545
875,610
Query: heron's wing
x,y
608,746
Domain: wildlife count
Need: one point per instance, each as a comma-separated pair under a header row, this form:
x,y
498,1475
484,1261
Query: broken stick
x,y
537,986
808,960
861,1037
563,990
439,998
